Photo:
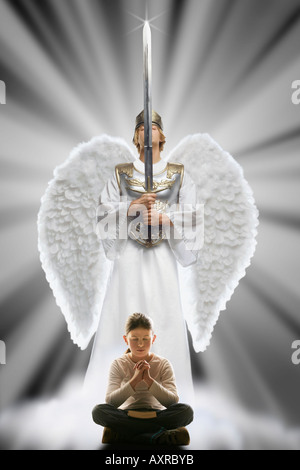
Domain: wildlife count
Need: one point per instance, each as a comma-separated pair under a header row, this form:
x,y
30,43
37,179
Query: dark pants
x,y
175,416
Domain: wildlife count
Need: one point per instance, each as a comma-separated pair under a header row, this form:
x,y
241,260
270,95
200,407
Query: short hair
x,y
161,144
138,320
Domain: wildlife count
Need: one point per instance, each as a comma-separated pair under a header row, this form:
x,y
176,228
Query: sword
x,y
148,108
148,113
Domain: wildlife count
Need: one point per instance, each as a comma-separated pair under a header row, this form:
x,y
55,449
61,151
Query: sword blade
x,y
148,107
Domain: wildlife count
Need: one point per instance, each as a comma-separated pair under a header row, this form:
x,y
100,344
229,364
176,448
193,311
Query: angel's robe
x,y
155,281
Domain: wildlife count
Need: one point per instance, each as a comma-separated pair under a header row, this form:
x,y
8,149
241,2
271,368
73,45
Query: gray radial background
x,y
73,70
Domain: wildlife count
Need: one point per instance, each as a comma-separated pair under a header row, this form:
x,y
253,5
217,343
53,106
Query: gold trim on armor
x,y
175,168
124,168
171,168
146,242
158,186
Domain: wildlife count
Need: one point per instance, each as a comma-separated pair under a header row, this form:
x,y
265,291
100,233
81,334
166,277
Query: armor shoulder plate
x,y
124,168
175,168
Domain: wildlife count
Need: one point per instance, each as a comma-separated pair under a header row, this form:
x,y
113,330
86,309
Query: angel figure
x,y
102,269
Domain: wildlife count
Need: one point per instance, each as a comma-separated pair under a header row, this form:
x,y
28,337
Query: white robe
x,y
144,280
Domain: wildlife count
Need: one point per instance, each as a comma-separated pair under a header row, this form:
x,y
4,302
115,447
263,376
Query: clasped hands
x,y
141,373
150,216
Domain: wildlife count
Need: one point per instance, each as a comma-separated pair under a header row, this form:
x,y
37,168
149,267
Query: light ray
x,y
146,11
135,16
154,18
133,30
150,21
162,32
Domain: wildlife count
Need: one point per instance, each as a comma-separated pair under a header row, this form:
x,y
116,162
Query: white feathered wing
x,y
71,254
230,229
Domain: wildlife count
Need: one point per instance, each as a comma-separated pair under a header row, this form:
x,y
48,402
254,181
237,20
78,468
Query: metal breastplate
x,y
166,185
